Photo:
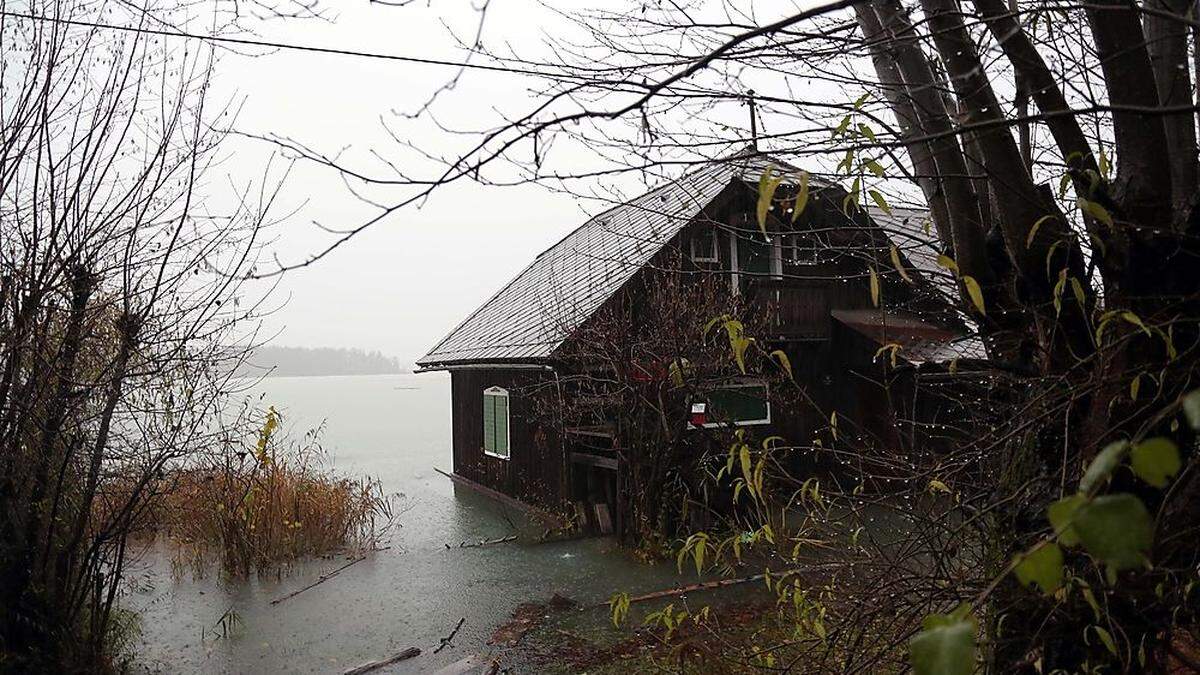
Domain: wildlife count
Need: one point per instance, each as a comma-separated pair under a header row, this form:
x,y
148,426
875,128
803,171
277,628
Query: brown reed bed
x,y
258,509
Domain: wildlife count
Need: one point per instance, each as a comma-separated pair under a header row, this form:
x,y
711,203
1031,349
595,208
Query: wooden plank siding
x,y
534,470
833,365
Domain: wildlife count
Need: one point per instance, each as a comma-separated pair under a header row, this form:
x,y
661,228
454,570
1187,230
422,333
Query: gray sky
x,y
404,283
407,281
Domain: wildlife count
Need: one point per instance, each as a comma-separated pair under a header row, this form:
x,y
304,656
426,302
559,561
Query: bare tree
x,y
120,304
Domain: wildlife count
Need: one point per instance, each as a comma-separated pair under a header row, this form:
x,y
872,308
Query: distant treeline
x,y
291,361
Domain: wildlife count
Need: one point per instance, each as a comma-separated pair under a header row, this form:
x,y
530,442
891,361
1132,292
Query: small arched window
x,y
495,422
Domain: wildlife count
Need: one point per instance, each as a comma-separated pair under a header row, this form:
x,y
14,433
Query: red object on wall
x,y
699,414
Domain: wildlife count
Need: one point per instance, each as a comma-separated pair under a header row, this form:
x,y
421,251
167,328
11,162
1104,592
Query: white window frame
x,y
501,392
713,252
791,243
744,384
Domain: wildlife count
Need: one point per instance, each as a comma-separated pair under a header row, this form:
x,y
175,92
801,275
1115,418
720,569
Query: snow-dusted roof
x,y
533,314
527,319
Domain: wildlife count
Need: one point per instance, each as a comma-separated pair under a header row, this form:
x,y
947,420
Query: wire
x,y
275,45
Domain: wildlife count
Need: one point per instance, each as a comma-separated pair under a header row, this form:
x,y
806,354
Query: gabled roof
x,y
533,314
527,319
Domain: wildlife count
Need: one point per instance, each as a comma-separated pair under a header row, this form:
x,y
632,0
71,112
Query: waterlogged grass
x,y
260,509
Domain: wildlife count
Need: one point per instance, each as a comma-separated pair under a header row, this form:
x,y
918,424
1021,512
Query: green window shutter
x,y
739,404
501,425
489,422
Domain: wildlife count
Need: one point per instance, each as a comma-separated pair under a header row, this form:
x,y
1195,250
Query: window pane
x,y
502,425
704,244
489,422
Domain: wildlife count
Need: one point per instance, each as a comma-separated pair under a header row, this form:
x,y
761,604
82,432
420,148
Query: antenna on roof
x,y
753,120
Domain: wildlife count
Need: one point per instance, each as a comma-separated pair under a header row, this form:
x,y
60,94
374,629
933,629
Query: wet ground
x,y
396,428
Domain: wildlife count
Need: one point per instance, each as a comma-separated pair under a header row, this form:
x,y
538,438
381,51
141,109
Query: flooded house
x,y
825,284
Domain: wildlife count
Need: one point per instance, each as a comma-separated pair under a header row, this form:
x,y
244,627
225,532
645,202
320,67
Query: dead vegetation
x,y
258,509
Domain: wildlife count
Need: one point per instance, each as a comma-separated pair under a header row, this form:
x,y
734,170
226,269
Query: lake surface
x,y
395,428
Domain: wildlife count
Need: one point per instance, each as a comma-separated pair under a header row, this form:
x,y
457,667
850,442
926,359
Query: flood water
x,y
396,428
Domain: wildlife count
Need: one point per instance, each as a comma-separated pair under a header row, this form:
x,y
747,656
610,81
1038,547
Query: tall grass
x,y
258,509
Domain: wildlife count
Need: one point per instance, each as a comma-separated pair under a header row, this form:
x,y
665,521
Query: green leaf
x,y
1058,290
936,485
767,185
1137,321
975,293
895,252
1107,639
1115,529
858,103
1077,288
874,288
948,263
1061,514
873,166
1042,566
744,456
1191,408
1105,462
945,647
1034,230
1096,211
842,126
784,361
1155,460
801,196
879,200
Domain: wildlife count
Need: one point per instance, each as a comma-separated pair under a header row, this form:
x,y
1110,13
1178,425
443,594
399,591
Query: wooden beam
x,y
546,517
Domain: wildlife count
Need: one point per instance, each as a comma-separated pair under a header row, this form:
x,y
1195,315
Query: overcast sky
x,y
403,284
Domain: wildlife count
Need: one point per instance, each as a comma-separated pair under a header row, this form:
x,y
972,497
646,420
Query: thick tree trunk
x,y
919,153
1143,183
963,209
1166,39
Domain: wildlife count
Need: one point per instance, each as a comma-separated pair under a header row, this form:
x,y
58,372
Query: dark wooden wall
x,y
534,471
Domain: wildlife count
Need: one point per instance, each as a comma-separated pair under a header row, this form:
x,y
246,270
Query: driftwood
x,y
703,586
320,580
375,665
484,542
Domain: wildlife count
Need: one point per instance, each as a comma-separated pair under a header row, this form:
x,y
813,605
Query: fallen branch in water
x,y
680,590
721,583
484,542
446,640
375,665
320,580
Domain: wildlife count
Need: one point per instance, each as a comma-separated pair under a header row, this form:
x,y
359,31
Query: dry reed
x,y
257,511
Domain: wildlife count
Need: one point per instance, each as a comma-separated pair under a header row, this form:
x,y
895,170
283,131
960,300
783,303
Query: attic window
x,y
797,249
704,245
495,422
738,404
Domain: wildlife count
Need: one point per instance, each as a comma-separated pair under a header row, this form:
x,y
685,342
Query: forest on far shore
x,y
275,361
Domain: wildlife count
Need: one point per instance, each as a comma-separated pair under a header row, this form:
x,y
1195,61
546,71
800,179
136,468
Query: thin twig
x,y
446,640
320,580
